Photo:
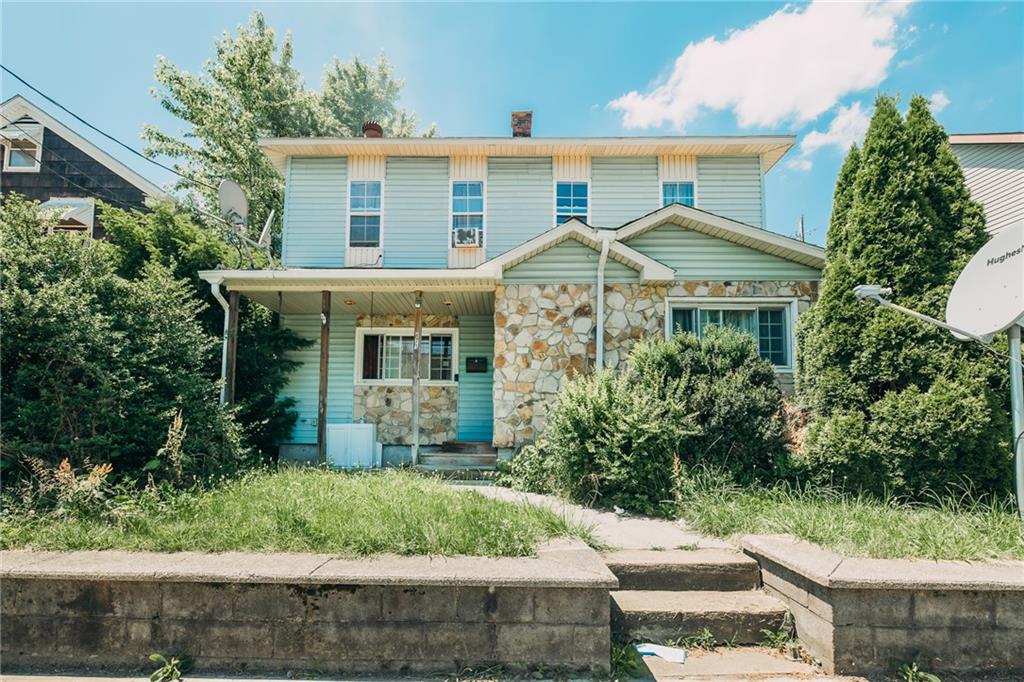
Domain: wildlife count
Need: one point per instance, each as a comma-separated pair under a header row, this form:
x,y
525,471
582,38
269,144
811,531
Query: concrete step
x,y
658,616
470,447
457,459
739,664
678,569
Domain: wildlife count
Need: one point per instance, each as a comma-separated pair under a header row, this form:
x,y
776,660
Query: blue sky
x,y
584,69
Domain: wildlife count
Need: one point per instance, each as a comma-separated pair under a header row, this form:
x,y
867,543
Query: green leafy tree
x,y
96,366
876,380
250,90
172,239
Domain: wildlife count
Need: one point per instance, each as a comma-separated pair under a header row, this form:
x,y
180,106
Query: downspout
x,y
215,289
605,246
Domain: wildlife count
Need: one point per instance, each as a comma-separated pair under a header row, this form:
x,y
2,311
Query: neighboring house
x,y
537,259
993,165
45,160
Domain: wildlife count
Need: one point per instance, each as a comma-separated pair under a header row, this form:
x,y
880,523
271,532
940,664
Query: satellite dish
x,y
264,240
988,297
234,207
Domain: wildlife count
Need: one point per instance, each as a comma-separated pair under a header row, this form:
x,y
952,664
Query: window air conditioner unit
x,y
467,237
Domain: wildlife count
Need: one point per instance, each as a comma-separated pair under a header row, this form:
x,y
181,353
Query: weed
x,y
910,672
704,639
776,639
170,670
626,662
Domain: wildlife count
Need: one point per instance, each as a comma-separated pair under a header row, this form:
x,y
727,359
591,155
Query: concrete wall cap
x,y
558,563
836,571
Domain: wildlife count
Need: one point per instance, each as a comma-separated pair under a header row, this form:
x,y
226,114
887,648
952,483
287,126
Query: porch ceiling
x,y
457,303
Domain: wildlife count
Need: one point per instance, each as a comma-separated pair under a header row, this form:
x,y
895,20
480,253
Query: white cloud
x,y
938,101
794,65
847,126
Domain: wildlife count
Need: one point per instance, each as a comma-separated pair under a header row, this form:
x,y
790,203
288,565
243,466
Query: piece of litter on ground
x,y
668,653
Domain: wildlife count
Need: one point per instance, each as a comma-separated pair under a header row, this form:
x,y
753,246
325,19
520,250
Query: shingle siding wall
x,y
316,193
623,189
730,186
303,383
569,261
694,255
995,176
67,171
520,201
415,208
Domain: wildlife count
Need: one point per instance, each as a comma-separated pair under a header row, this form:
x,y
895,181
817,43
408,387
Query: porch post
x,y
417,340
325,356
231,348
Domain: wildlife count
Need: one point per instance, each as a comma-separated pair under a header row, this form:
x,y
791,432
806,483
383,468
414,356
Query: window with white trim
x,y
677,193
769,324
467,214
364,213
571,201
22,155
390,356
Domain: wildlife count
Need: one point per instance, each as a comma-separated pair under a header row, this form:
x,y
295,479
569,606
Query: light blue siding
x,y
622,189
570,262
415,212
303,383
730,186
520,201
316,190
476,413
694,255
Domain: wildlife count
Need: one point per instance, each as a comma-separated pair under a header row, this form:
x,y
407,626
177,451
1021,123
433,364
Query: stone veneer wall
x,y
544,335
390,407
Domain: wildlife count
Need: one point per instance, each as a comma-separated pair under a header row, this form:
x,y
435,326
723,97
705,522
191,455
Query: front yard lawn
x,y
853,526
300,510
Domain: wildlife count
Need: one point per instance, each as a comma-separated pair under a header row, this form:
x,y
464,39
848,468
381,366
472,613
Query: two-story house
x,y
45,160
523,261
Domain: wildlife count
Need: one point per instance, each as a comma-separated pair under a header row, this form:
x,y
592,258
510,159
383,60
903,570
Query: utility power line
x,y
103,133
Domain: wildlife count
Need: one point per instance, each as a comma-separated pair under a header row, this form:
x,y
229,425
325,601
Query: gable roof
x,y
650,269
18,106
725,228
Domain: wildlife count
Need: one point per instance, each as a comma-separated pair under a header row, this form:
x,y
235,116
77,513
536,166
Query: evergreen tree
x,y
899,406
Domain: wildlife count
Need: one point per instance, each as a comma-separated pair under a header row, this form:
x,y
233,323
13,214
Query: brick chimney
x,y
522,123
372,129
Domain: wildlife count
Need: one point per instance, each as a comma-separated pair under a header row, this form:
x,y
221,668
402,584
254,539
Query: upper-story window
x,y
467,214
769,324
364,214
571,201
22,156
677,193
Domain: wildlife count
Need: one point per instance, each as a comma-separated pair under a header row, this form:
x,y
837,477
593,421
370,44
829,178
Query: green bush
x,y
624,438
97,367
732,393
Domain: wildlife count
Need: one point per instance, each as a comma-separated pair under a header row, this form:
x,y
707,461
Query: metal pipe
x,y
1017,410
215,289
599,332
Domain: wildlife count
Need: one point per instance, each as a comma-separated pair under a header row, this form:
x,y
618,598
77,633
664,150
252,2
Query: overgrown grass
x,y
300,510
951,527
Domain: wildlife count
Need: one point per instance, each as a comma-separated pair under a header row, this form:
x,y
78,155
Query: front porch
x,y
354,385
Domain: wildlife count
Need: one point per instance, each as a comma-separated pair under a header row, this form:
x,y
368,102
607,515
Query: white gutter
x,y
602,261
215,290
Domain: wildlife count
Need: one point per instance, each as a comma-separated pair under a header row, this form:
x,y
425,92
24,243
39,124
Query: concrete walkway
x,y
617,531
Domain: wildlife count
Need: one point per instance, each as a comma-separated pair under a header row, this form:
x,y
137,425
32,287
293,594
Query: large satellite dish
x,y
988,297
234,207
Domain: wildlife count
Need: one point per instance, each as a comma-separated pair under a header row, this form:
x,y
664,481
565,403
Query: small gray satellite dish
x,y
988,297
234,207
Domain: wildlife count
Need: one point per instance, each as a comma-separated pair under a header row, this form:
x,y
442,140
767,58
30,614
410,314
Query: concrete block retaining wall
x,y
274,613
867,616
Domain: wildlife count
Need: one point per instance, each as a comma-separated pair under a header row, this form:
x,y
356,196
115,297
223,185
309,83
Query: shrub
x,y
624,438
97,366
733,394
